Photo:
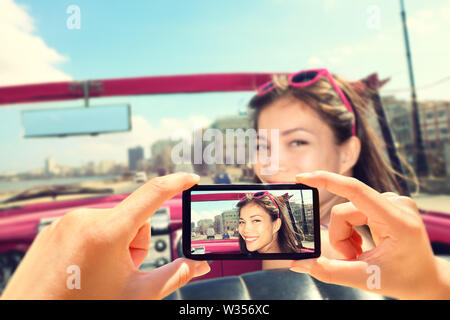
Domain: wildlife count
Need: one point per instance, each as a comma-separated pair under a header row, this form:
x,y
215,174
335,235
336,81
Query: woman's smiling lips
x,y
250,239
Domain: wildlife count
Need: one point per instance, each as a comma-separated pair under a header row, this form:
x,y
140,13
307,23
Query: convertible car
x,y
20,223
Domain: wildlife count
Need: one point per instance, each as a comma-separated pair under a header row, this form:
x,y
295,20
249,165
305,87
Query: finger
x,y
341,272
343,237
53,225
140,245
356,237
366,199
135,210
402,201
407,203
161,282
389,194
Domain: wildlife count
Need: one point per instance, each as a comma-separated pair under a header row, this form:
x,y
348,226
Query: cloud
x,y
204,214
334,60
425,22
318,62
315,61
383,51
24,154
24,56
115,145
329,4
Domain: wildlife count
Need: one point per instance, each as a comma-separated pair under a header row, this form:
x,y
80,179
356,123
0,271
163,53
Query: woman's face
x,y
306,142
257,228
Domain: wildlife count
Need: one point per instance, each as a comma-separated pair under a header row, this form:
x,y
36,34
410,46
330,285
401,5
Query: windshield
x,y
121,161
50,42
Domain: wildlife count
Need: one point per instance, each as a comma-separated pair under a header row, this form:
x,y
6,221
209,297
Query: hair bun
x,y
368,85
285,197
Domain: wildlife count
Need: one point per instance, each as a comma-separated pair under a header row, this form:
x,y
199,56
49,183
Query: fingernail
x,y
195,176
303,266
201,268
304,175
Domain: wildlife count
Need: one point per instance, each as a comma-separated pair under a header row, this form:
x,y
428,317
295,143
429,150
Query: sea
x,y
22,185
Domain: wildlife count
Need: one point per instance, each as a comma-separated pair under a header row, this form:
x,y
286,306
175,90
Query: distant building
x,y
161,145
306,226
50,166
296,209
230,220
106,167
91,168
236,144
434,119
135,156
218,224
204,224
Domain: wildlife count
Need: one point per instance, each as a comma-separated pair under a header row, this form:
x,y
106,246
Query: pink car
x,y
19,226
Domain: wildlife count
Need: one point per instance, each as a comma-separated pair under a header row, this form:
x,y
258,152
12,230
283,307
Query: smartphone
x,y
251,221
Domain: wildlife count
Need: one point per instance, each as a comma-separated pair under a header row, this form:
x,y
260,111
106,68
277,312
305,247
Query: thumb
x,y
342,272
162,281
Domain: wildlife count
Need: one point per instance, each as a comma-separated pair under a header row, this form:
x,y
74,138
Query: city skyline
x,y
63,54
434,118
135,155
52,168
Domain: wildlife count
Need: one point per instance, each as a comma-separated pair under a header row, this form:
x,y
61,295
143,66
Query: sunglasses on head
x,y
306,78
260,194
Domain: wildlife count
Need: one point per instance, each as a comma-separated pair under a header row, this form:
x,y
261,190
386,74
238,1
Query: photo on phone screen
x,y
277,221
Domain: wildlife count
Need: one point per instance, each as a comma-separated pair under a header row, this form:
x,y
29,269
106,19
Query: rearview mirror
x,y
76,121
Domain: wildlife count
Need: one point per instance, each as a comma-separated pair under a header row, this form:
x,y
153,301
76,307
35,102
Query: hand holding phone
x,y
252,221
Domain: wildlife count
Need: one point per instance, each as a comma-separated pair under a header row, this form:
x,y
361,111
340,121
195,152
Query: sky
x,y
142,38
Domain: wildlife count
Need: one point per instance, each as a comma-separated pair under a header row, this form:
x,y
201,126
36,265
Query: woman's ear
x,y
276,225
349,154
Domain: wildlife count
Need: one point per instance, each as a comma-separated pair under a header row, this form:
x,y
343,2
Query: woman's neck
x,y
272,247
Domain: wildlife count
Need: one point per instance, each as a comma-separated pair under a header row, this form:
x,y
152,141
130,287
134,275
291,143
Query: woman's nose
x,y
248,229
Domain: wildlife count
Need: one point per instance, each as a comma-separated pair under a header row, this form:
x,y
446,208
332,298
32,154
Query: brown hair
x,y
371,168
288,240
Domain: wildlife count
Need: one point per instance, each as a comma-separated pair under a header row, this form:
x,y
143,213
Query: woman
x,y
322,126
264,226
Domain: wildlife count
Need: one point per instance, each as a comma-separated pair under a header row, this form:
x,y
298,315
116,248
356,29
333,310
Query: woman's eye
x,y
297,143
256,220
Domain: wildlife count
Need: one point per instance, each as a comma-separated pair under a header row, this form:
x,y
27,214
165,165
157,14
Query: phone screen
x,y
276,221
